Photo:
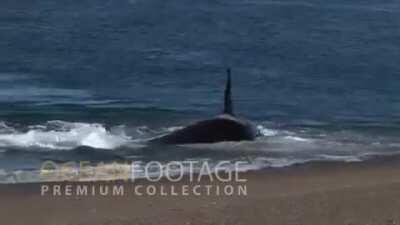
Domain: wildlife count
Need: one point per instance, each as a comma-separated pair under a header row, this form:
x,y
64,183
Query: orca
x,y
224,127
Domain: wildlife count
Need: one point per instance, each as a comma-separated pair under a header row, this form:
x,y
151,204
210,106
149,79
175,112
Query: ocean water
x,y
89,80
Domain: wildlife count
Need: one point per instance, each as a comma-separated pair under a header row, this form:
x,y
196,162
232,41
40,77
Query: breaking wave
x,y
62,135
276,146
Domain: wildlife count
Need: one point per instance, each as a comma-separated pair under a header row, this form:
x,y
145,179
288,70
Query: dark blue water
x,y
326,71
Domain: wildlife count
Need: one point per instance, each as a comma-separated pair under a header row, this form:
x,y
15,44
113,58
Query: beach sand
x,y
317,193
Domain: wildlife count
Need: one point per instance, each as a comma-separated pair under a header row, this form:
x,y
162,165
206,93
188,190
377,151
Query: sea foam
x,y
64,135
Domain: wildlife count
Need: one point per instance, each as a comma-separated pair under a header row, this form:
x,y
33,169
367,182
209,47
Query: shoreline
x,y
315,193
372,160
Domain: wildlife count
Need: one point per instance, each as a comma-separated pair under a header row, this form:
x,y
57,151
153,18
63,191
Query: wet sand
x,y
318,193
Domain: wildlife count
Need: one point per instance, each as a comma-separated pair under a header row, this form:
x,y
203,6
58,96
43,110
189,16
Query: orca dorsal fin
x,y
228,105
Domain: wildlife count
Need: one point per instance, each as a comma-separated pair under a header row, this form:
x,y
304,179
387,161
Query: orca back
x,y
210,131
225,127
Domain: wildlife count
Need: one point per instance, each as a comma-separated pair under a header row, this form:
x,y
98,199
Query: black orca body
x,y
225,127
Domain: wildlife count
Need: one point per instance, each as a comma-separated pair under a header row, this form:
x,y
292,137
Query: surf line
x,y
153,171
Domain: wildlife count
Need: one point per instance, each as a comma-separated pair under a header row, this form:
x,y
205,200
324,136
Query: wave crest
x,y
64,136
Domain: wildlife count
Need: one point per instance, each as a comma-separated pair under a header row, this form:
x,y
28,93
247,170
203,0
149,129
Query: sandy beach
x,y
330,193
